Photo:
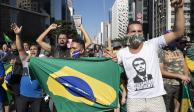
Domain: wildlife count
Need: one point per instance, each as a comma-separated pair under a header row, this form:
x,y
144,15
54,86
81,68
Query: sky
x,y
92,12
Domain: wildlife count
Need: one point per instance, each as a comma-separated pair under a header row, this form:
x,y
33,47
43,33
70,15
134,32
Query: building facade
x,y
78,22
33,22
120,18
163,17
32,5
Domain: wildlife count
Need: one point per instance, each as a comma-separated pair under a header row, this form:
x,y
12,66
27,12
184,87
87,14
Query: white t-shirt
x,y
143,70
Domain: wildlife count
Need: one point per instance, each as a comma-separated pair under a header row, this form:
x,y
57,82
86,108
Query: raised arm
x,y
86,37
17,30
40,39
179,22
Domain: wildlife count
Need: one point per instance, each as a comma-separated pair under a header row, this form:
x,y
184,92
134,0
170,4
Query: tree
x,y
122,40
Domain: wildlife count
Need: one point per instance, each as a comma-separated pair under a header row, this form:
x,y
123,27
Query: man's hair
x,y
133,22
26,42
81,42
36,45
62,33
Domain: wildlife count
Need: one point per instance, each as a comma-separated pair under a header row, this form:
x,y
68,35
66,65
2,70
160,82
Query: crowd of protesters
x,y
147,65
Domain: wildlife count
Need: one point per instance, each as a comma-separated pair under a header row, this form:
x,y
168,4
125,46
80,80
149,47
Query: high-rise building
x,y
110,16
158,17
57,9
33,22
120,18
32,5
78,21
70,6
163,17
98,38
131,10
104,32
142,14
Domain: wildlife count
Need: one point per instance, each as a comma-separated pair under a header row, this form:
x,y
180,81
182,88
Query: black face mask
x,y
15,52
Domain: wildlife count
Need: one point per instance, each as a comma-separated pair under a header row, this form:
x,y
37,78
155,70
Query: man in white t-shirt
x,y
141,63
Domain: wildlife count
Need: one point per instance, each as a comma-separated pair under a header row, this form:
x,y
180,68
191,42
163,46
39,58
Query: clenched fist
x,y
177,3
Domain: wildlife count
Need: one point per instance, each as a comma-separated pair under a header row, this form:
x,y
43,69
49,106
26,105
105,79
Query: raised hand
x,y
109,54
54,26
17,30
177,3
80,27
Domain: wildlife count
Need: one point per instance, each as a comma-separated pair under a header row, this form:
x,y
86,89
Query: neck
x,y
137,50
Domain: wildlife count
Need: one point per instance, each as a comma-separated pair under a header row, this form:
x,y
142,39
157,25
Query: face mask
x,y
75,54
15,52
134,41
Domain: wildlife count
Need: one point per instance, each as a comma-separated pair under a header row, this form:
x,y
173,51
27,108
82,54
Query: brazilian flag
x,y
186,105
82,85
189,58
6,68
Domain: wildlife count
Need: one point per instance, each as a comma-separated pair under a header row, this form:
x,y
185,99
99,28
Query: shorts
x,y
173,92
155,104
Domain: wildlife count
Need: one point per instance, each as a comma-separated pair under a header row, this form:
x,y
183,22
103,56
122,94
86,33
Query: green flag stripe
x,y
6,38
93,71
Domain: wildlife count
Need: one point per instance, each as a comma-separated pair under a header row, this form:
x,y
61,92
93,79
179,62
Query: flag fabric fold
x,y
186,105
2,69
189,59
81,85
7,38
8,69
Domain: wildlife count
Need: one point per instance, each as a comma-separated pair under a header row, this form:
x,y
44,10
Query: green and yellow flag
x,y
186,102
189,58
7,38
8,69
82,85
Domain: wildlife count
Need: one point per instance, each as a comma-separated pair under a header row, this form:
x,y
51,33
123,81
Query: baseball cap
x,y
116,44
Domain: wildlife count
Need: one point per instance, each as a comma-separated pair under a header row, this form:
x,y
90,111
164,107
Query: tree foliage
x,y
122,40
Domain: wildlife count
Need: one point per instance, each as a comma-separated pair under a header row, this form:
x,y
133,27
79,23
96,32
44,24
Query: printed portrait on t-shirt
x,y
142,80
